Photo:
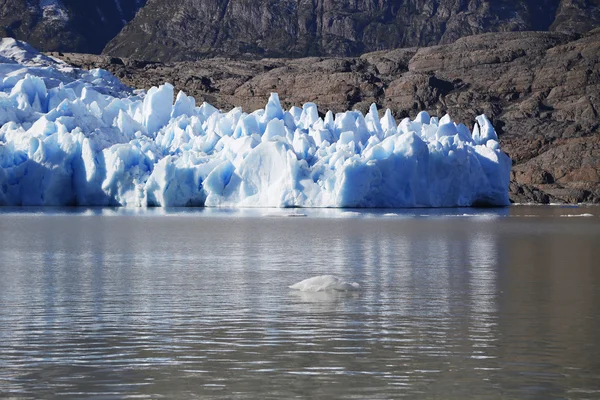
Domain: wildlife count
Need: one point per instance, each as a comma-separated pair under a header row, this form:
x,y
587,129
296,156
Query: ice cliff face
x,y
72,137
66,25
188,29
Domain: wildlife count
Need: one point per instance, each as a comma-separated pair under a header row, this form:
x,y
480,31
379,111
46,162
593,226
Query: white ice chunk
x,y
484,131
273,108
388,124
158,106
184,105
325,283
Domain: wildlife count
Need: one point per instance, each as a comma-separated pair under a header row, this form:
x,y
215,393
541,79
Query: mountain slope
x,y
66,25
188,29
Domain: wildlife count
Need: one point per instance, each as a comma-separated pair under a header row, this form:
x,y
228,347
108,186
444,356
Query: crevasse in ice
x,y
74,137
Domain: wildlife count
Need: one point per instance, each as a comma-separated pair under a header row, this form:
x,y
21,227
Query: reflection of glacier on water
x,y
449,307
325,296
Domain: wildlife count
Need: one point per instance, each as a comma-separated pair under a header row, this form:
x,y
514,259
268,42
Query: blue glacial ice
x,y
75,137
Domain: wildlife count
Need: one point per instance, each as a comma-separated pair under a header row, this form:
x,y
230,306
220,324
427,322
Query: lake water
x,y
455,304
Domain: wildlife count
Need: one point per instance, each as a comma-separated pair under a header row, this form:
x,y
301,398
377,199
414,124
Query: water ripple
x,y
177,308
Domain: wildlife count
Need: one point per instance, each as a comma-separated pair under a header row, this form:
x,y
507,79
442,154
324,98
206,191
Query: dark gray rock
x,y
190,29
66,25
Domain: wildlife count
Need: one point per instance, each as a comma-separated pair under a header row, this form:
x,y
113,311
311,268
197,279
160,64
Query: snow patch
x,y
13,51
54,10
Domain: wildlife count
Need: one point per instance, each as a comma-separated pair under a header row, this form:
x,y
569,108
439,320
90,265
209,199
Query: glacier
x,y
71,137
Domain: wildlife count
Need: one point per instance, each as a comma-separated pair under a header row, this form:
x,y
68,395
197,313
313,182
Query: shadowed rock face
x,y
66,25
540,89
189,29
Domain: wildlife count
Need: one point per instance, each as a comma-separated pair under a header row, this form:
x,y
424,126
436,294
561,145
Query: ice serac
x,y
74,137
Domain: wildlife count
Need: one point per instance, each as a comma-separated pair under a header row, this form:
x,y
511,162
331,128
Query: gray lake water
x,y
455,304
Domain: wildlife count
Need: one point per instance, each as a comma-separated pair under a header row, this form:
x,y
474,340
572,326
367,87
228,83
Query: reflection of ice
x,y
483,280
217,287
334,303
483,273
323,297
281,215
352,214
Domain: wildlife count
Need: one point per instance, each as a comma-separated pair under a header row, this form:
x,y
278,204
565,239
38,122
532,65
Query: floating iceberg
x,y
75,137
325,283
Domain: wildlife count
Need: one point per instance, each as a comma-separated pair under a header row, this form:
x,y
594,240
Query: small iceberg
x,y
325,283
577,215
287,215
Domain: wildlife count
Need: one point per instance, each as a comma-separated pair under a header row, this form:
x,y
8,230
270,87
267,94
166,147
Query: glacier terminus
x,y
82,138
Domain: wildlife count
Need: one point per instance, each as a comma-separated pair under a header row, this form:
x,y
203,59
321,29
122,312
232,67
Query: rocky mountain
x,y
190,29
540,89
66,25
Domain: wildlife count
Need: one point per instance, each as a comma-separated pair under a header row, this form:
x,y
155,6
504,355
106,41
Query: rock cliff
x,y
190,29
66,25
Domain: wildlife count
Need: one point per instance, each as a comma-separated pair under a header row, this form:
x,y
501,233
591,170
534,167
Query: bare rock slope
x,y
66,25
178,30
191,29
540,89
